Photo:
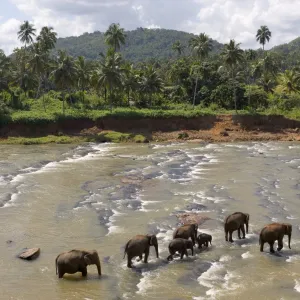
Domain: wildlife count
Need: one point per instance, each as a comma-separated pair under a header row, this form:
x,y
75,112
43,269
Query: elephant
x,y
180,245
138,245
234,222
76,261
275,232
187,231
203,239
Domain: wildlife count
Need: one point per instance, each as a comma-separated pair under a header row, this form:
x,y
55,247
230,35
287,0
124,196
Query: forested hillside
x,y
290,52
141,44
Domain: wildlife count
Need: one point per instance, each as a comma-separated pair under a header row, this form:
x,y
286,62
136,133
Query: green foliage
x,y
50,139
256,97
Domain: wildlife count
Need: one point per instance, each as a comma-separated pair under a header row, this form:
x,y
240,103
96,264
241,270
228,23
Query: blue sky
x,y
220,19
9,10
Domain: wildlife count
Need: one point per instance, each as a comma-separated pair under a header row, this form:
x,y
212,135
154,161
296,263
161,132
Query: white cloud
x,y
8,34
221,19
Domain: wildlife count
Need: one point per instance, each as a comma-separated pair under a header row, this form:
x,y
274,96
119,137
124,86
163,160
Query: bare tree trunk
x,y
194,100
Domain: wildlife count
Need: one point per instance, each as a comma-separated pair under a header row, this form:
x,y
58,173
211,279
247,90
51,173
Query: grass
x,y
108,136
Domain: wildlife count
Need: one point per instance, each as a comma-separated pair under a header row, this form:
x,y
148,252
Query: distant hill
x,y
290,52
141,44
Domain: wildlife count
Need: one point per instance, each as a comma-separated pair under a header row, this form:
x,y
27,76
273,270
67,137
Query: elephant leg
x,y
206,244
60,274
226,235
243,231
186,253
170,257
239,233
139,258
199,246
83,271
262,246
230,237
272,247
129,263
280,245
146,256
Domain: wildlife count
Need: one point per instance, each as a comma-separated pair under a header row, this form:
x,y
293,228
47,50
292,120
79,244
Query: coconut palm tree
x,y
130,80
64,74
115,36
83,74
47,38
38,65
26,33
288,82
250,56
232,55
201,45
178,47
109,73
263,35
150,83
5,65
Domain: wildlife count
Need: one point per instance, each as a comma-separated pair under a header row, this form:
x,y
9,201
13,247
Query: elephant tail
x,y
260,239
56,265
125,250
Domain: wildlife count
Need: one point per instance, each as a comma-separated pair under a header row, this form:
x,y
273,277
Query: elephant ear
x,y
87,259
288,228
151,239
247,217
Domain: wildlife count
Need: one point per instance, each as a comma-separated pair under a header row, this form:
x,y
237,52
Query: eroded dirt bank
x,y
207,128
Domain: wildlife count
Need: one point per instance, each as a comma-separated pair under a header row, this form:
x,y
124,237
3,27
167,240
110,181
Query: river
x,y
60,197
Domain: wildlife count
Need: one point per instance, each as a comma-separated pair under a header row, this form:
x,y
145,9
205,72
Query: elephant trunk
x,y
156,250
290,240
247,227
97,263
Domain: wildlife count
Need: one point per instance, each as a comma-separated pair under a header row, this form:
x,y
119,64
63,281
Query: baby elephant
x,y
180,245
76,261
203,239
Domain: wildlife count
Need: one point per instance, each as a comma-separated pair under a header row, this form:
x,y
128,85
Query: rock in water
x,y
188,218
30,254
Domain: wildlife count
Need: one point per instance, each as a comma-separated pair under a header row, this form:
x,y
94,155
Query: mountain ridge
x,y
142,44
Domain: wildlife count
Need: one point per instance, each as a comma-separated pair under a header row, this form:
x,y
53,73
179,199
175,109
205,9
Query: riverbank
x,y
206,128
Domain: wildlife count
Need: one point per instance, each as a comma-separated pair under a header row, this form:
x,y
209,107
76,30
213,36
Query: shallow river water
x,y
64,197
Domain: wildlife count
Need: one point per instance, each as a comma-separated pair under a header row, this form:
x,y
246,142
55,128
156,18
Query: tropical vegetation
x,y
40,82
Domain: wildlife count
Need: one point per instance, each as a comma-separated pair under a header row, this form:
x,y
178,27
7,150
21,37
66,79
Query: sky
x,y
220,19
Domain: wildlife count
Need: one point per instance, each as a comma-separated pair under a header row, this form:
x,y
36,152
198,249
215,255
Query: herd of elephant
x,y
77,260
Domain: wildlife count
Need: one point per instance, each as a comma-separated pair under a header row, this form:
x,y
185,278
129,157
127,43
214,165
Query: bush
x,y
256,97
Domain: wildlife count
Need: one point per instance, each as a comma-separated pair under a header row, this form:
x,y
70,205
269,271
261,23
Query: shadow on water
x,y
90,277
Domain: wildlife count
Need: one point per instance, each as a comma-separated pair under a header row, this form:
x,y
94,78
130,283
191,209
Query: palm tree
x,y
289,82
83,74
64,74
47,38
4,70
250,56
109,73
115,36
26,33
201,45
130,80
232,55
263,35
178,47
151,83
38,64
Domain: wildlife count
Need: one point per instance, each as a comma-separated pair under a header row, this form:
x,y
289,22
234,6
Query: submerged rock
x,y
30,254
188,218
